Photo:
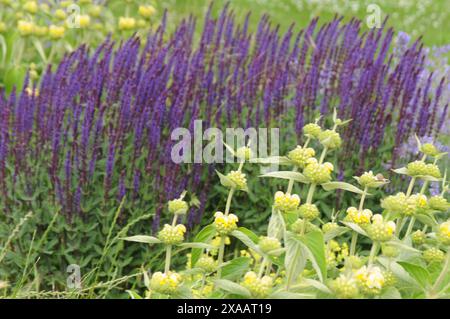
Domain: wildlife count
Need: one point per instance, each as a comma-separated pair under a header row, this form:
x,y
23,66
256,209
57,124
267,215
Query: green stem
x,y
228,205
220,257
291,182
168,258
310,195
353,244
410,186
410,226
322,156
261,268
363,197
373,252
442,275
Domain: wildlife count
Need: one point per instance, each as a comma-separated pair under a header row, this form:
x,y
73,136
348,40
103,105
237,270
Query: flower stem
x,y
228,205
220,257
168,258
373,252
363,197
353,243
442,275
291,182
309,198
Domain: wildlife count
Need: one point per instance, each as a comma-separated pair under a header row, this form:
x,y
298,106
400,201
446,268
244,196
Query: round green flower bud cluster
x,y
330,226
395,203
330,139
429,149
418,237
301,155
172,235
286,202
297,226
318,173
389,278
370,279
336,253
206,263
433,255
358,217
165,283
178,206
309,211
438,203
415,204
354,262
443,233
268,244
367,179
345,287
244,153
225,224
238,178
380,230
389,251
433,170
258,287
416,168
312,130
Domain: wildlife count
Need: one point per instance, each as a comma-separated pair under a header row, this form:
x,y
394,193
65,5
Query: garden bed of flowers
x,y
350,201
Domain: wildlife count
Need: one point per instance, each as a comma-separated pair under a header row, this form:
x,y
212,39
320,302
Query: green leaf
x,y
250,234
235,268
316,247
143,239
133,294
391,293
280,160
356,228
203,236
426,219
291,295
296,176
195,245
401,170
276,225
398,271
342,185
247,241
225,181
295,259
232,287
335,233
417,272
317,284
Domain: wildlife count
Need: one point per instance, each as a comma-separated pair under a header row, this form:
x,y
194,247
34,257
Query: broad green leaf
x,y
296,176
247,241
276,225
280,160
195,245
356,228
342,185
203,236
316,247
317,284
143,239
235,268
401,170
391,293
417,272
232,287
398,271
335,233
295,259
250,234
225,181
426,219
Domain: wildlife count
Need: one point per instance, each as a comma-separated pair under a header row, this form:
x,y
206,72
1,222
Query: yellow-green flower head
x,y
172,235
439,203
268,244
146,11
207,263
300,155
225,224
330,139
25,28
165,283
318,173
354,262
359,217
433,170
95,11
389,251
444,233
380,230
433,255
370,279
126,23
330,226
258,287
308,211
244,152
238,178
84,20
178,206
429,149
345,287
417,168
286,202
2,26
415,204
418,237
395,203
297,226
30,7
60,14
389,278
312,130
368,179
56,32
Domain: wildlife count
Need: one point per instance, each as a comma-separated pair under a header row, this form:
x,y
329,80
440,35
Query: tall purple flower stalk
x,y
100,126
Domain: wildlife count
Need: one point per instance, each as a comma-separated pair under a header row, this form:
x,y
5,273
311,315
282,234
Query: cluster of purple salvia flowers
x,y
105,118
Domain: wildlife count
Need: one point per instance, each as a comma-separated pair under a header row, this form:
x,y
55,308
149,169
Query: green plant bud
x,y
309,211
312,130
286,202
439,203
443,233
390,251
301,155
389,278
258,287
417,168
380,230
354,262
268,244
367,179
329,227
345,287
172,235
418,237
225,224
358,217
178,206
433,255
330,139
395,203
238,178
415,204
429,149
298,225
433,170
318,173
207,263
165,283
244,153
